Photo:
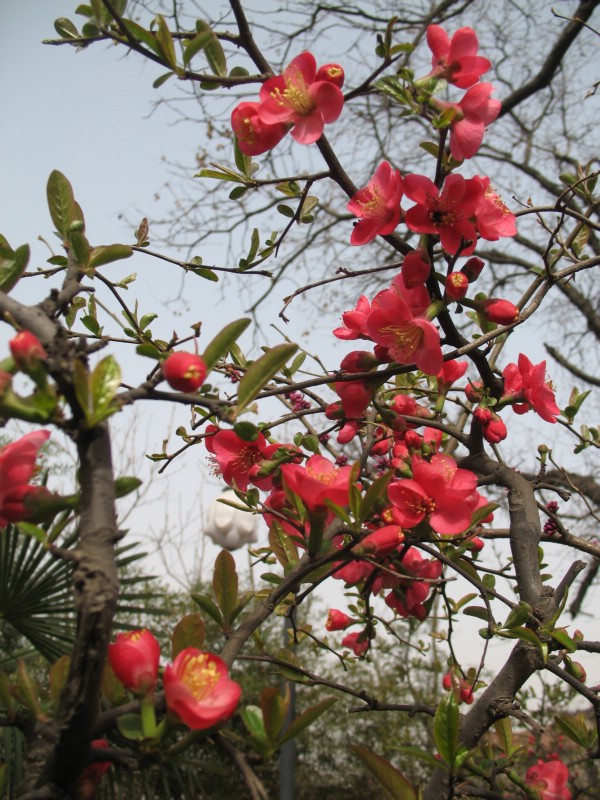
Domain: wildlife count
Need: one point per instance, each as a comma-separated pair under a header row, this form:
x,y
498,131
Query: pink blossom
x,y
236,457
447,213
526,382
456,59
408,596
457,286
408,338
377,205
255,136
450,372
17,466
471,115
337,620
357,642
493,218
355,321
300,99
550,779
438,491
416,268
318,480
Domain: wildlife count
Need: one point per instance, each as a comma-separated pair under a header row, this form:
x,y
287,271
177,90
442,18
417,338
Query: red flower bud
x,y
358,642
472,269
473,391
493,427
134,657
184,372
501,311
332,73
359,361
27,351
337,620
457,285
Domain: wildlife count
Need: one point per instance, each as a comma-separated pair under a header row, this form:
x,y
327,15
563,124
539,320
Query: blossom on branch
x,y
377,205
456,59
549,778
17,466
525,387
318,480
198,689
184,372
253,135
302,98
470,117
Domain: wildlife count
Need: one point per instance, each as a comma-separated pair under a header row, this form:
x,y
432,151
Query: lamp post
x,y
229,527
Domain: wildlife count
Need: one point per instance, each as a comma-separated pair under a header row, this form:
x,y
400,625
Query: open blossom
x,y
17,465
471,116
318,480
355,321
255,136
407,337
493,218
238,460
198,689
549,778
438,491
134,657
303,98
456,59
525,385
416,268
448,213
377,205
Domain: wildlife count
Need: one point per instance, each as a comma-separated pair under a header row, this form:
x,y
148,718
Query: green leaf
x,y
130,726
417,752
563,638
212,49
225,584
518,615
223,341
189,632
195,45
274,708
242,161
305,719
575,728
12,264
104,384
393,781
252,717
526,635
156,84
61,202
65,28
375,492
282,546
286,210
207,605
143,36
165,41
109,253
260,372
445,728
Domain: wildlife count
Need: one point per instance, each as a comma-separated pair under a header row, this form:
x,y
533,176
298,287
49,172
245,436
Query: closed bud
x,y
415,269
184,372
27,350
472,269
337,620
457,285
503,312
332,73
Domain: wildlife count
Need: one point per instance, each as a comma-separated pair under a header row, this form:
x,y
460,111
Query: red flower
x,y
254,136
236,457
198,689
550,779
408,338
357,642
332,73
408,596
494,219
438,491
184,372
415,268
91,775
380,543
134,657
27,350
450,372
472,268
355,321
456,59
300,98
377,205
318,480
337,620
471,115
526,382
447,214
17,465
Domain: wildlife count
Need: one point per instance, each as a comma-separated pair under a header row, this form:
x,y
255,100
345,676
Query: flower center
x,y
200,675
407,338
295,95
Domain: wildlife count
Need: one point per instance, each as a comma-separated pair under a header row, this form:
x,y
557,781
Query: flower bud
x,y
500,311
134,657
472,269
415,269
332,73
184,372
474,391
337,620
457,285
27,350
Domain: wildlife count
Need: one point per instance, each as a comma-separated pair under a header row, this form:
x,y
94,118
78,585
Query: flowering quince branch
x,y
389,510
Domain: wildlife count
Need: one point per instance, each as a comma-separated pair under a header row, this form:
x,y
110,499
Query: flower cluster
x,y
303,99
17,467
